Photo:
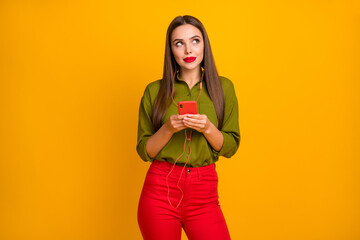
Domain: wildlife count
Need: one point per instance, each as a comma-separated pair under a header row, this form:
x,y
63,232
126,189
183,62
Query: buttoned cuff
x,y
228,148
141,149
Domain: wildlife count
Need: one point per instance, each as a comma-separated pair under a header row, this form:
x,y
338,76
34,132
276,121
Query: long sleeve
x,y
230,129
145,127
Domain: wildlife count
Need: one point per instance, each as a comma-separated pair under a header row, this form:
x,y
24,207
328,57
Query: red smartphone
x,y
189,107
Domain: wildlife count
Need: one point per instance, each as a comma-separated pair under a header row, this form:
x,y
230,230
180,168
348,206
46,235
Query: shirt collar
x,y
179,80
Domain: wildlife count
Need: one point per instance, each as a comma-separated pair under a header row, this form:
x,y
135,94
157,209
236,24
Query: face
x,y
187,44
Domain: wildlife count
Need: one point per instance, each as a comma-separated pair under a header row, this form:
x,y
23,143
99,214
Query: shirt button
x,y
189,170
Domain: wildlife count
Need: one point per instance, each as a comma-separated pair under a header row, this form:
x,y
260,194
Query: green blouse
x,y
202,153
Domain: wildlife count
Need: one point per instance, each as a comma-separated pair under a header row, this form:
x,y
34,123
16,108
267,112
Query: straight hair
x,y
213,82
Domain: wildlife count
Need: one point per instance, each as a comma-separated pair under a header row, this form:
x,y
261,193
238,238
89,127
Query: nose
x,y
188,49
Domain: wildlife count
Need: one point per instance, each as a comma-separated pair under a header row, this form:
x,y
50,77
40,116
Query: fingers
x,y
177,117
195,121
180,117
196,126
200,119
194,116
176,124
186,119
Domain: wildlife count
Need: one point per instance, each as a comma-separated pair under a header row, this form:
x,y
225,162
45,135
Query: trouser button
x,y
189,170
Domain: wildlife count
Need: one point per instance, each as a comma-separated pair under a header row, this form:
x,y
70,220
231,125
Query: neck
x,y
190,76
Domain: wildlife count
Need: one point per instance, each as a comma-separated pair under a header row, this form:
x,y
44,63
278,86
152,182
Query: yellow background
x,y
71,77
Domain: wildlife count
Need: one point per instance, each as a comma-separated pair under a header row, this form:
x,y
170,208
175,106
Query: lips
x,y
189,59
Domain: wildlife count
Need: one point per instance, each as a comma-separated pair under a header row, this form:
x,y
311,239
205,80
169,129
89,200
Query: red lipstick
x,y
189,59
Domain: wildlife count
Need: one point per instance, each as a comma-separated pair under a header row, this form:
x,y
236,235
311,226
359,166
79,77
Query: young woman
x,y
181,185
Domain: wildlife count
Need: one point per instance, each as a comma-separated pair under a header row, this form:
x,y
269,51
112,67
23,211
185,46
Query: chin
x,y
191,67
187,68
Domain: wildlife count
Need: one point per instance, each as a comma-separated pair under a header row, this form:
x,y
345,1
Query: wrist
x,y
209,129
167,130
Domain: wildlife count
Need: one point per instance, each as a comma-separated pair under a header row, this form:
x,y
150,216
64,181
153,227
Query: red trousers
x,y
199,212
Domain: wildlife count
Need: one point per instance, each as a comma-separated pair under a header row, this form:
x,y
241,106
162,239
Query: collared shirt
x,y
202,153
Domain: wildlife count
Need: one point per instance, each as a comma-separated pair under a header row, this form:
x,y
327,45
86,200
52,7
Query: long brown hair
x,y
213,83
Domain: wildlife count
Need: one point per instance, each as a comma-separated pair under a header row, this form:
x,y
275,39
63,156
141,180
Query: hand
x,y
175,123
199,122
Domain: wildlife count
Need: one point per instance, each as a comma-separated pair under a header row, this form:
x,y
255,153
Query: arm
x,y
226,141
145,128
149,142
214,137
157,141
230,129
201,123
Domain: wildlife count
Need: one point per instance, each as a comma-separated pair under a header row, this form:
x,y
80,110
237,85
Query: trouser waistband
x,y
177,169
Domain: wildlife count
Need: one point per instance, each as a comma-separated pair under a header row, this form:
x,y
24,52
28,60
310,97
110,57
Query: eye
x,y
177,44
196,40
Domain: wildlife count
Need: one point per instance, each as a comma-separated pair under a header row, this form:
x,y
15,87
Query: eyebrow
x,y
183,39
